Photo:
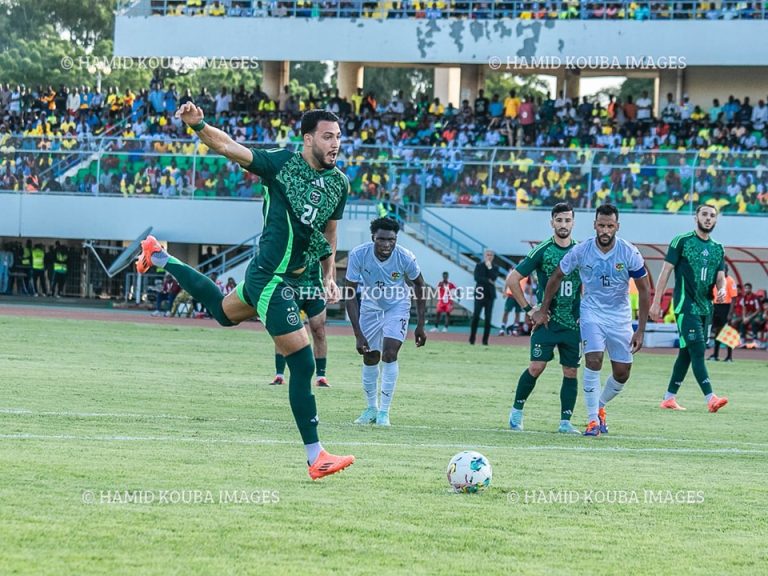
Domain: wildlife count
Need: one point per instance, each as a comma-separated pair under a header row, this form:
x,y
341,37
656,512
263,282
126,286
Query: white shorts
x,y
616,339
377,325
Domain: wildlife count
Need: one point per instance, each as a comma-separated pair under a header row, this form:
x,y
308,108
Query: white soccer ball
x,y
469,472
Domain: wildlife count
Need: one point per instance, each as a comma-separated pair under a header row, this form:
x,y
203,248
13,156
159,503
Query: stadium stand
x,y
473,9
511,154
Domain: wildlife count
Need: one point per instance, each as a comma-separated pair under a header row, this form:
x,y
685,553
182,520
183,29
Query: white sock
x,y
313,451
611,390
668,395
709,396
160,259
389,372
591,385
370,379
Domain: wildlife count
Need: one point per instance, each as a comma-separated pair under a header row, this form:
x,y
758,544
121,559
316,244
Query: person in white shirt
x,y
380,270
644,107
605,264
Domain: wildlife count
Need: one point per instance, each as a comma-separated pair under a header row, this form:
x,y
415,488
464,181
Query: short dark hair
x,y
385,223
700,207
311,118
561,207
607,210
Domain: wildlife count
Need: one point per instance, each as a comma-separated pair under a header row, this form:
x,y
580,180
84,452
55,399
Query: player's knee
x,y
595,364
371,358
389,356
536,369
621,376
570,372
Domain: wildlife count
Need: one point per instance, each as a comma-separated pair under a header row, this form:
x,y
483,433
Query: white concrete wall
x,y
230,222
447,40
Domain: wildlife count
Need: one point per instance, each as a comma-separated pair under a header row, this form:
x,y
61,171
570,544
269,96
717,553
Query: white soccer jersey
x,y
383,283
605,278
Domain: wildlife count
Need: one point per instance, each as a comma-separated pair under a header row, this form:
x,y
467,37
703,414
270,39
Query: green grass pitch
x,y
91,409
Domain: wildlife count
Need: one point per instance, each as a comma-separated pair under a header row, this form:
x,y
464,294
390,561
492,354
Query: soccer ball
x,y
469,472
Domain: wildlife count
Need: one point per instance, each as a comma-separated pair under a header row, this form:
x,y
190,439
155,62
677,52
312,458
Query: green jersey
x,y
298,202
696,263
544,259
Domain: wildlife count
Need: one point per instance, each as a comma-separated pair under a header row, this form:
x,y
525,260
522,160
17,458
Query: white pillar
x,y
276,76
448,85
349,78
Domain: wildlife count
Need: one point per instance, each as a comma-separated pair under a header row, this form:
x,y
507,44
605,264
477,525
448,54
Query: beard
x,y
320,157
562,233
601,239
703,229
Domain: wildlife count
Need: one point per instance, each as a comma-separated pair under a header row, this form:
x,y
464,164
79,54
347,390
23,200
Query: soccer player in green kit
x,y
563,329
698,263
305,198
310,298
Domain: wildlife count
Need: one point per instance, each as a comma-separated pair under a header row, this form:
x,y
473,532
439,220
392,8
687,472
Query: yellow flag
x,y
730,337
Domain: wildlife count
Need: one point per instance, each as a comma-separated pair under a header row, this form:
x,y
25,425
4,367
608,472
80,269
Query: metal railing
x,y
440,9
505,178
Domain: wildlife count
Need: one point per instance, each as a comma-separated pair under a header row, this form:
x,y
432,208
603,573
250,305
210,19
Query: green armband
x,y
528,308
199,126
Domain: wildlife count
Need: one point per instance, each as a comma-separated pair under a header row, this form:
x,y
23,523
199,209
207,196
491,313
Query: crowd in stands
x,y
513,151
472,9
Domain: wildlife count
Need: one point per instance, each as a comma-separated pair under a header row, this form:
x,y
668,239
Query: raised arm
x,y
217,140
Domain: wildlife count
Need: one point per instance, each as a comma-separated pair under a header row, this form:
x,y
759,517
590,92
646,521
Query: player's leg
x,y
395,332
448,311
438,313
619,347
542,351
279,378
372,327
679,369
569,347
319,344
593,337
696,328
202,288
279,313
504,317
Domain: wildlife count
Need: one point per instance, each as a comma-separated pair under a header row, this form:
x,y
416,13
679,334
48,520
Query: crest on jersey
x,y
396,275
315,197
619,266
293,319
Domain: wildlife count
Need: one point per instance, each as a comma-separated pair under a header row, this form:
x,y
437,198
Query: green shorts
x,y
544,340
311,299
274,298
510,304
692,328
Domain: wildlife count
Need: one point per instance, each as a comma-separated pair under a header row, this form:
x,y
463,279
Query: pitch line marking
x,y
128,415
272,441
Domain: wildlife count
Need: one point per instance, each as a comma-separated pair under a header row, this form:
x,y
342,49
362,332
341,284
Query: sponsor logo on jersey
x,y
396,275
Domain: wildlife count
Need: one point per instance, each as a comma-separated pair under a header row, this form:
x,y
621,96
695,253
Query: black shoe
x,y
728,360
715,358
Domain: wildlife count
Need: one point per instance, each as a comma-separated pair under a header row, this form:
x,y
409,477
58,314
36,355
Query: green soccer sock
x,y
524,388
697,352
279,364
568,392
202,288
302,366
320,364
679,370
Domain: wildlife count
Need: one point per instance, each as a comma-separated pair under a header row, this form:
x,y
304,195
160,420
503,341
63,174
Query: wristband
x,y
528,308
199,126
